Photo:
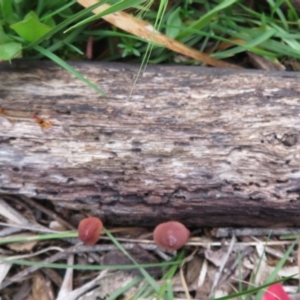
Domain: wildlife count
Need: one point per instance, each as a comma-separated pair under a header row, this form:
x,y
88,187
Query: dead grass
x,y
215,262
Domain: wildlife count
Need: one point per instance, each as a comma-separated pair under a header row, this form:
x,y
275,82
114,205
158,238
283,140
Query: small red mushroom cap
x,y
171,235
89,230
275,292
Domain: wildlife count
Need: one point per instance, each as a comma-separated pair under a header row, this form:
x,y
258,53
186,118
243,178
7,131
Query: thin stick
x,y
219,273
27,271
228,232
48,212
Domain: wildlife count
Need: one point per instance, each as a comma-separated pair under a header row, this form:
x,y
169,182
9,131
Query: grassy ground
x,y
46,262
263,34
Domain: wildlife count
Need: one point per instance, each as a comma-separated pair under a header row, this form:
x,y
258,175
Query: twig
x,y
11,214
9,231
48,212
247,251
67,284
228,232
30,270
273,251
219,273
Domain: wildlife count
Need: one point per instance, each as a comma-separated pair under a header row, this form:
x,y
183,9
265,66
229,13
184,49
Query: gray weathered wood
x,y
204,146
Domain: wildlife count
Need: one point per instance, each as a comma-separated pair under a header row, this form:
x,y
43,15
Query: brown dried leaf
x,y
203,291
192,271
41,288
53,275
262,63
109,284
23,292
22,247
261,269
216,257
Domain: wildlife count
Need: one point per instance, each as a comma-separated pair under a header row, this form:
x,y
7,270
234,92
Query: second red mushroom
x,y
171,235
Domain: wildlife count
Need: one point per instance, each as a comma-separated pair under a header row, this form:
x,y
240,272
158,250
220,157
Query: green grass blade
x,y
141,292
40,237
280,49
122,5
57,11
276,9
158,20
147,276
293,12
169,275
264,36
254,290
279,266
204,20
125,288
66,66
165,288
40,264
170,294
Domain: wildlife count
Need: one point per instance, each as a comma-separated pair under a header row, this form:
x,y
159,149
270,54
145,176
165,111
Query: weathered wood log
x,y
204,146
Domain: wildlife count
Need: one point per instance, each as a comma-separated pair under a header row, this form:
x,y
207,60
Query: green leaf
x,y
174,22
50,22
65,23
31,29
4,38
10,50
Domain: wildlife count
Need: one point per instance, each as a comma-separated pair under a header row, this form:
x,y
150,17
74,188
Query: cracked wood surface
x,y
205,146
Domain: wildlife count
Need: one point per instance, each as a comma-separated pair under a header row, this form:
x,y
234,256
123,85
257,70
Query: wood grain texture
x,y
204,146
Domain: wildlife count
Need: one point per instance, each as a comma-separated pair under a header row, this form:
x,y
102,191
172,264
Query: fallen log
x,y
200,145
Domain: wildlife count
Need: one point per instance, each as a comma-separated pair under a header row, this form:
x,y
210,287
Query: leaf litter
x,y
216,262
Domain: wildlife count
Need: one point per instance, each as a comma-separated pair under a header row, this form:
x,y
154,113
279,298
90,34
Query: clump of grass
x,y
147,286
226,28
59,30
35,30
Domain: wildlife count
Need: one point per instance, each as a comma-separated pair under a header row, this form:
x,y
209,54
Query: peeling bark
x,y
205,146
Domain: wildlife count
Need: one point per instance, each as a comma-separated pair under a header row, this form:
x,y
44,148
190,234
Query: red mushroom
x,y
275,292
171,235
89,230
